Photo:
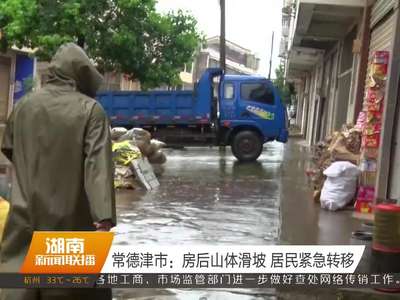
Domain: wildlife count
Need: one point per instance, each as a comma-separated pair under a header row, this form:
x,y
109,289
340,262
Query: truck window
x,y
258,92
229,91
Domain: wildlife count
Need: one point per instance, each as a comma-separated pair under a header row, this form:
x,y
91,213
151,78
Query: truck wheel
x,y
247,146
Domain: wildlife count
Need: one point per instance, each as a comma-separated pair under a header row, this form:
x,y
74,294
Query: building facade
x,y
327,53
288,14
17,70
239,60
323,60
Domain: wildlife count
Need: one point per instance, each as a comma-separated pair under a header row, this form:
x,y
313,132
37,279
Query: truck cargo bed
x,y
130,108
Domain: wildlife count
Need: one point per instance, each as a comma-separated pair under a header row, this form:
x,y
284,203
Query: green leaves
x,y
285,89
121,35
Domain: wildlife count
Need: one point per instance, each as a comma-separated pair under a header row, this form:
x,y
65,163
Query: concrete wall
x,y
336,30
332,94
7,85
312,106
249,60
300,88
304,121
201,64
330,102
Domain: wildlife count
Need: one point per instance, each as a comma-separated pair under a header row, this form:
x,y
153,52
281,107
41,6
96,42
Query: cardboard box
x,y
144,172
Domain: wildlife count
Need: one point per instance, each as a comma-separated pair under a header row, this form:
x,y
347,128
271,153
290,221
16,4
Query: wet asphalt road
x,y
207,197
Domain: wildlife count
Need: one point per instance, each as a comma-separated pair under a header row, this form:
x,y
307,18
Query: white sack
x,y
340,185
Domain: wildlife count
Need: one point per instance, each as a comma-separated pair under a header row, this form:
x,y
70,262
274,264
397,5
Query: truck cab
x,y
250,114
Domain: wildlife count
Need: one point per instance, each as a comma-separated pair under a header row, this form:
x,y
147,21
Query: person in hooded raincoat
x,y
58,140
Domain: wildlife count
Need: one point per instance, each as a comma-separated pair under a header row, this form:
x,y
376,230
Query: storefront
x,y
381,28
390,171
17,71
384,25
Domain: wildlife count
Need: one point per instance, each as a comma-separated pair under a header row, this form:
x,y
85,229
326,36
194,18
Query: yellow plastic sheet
x,y
124,152
4,207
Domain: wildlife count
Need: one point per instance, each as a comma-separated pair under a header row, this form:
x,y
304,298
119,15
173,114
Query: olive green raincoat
x,y
59,142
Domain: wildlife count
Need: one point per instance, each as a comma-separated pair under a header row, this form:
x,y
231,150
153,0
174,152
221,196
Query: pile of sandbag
x,y
124,153
150,148
130,146
343,145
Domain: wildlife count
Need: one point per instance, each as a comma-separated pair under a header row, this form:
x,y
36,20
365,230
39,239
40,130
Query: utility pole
x,y
222,40
272,53
222,50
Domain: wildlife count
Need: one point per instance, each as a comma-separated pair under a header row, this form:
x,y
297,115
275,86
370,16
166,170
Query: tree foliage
x,y
129,36
286,89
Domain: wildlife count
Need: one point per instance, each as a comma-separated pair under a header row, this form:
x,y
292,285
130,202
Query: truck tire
x,y
247,146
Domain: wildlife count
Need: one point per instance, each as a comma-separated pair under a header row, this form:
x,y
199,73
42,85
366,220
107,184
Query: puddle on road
x,y
208,198
205,197
218,202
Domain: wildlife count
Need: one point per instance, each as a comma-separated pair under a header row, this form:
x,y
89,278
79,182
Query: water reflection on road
x,y
205,197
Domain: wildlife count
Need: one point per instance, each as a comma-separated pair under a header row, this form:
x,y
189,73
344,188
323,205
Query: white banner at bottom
x,y
233,259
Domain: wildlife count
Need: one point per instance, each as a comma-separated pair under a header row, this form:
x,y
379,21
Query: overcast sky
x,y
249,23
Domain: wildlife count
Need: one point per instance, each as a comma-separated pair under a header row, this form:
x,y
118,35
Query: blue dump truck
x,y
237,110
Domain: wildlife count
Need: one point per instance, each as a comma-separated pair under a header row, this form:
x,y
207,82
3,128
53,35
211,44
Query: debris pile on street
x,y
123,154
358,145
136,157
341,146
345,145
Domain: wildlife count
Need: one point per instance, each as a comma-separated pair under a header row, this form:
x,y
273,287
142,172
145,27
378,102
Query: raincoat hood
x,y
58,140
70,64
